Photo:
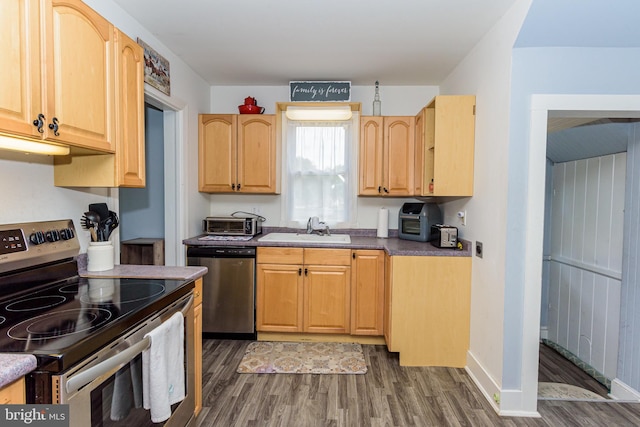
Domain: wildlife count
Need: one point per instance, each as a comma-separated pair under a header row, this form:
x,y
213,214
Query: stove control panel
x,y
12,241
33,243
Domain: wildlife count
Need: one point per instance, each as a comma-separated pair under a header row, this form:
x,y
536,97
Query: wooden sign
x,y
319,91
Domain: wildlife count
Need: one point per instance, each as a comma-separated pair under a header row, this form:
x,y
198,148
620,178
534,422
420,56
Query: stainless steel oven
x,y
106,389
87,334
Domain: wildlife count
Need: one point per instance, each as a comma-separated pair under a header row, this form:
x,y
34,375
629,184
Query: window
x,y
320,172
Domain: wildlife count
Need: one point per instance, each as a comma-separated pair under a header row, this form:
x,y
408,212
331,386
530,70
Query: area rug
x,y
558,391
264,357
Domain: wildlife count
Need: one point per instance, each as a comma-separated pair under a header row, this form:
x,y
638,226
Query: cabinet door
x,y
399,152
14,393
279,298
449,135
370,156
197,332
80,74
197,346
20,73
130,159
326,299
256,154
388,305
217,153
367,292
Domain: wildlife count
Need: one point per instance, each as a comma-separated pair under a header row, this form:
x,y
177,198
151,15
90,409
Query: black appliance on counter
x,y
415,220
228,290
84,332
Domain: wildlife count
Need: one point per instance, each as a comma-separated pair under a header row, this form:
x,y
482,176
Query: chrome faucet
x,y
315,226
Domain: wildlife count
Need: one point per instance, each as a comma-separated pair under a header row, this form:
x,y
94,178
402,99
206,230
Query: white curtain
x,y
319,181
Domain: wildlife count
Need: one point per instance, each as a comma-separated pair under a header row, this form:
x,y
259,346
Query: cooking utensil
x,y
108,225
113,223
101,209
90,221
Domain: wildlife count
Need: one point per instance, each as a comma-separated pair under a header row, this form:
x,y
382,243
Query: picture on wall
x,y
156,69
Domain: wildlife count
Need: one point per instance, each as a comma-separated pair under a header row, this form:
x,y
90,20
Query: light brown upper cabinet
x,y
57,78
386,157
445,135
125,168
237,154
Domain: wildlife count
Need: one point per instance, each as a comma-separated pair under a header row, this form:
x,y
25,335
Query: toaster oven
x,y
232,226
415,221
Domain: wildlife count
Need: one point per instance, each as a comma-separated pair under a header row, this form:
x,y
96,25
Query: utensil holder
x,y
100,256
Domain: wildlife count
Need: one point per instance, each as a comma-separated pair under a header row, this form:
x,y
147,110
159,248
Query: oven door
x,y
106,389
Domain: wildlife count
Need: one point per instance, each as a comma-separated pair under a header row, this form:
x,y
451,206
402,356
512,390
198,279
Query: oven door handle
x,y
83,378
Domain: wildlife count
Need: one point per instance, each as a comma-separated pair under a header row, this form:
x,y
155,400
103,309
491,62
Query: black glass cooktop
x,y
79,315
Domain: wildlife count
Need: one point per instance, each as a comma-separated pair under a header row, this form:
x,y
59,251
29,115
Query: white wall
x,y
396,100
27,181
190,95
28,193
486,72
586,259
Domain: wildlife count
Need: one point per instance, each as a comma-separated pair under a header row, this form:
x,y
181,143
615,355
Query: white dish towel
x,y
163,368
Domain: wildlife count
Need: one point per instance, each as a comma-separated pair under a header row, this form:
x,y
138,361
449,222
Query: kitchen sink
x,y
305,238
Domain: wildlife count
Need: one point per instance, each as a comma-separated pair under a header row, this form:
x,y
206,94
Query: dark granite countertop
x,y
360,239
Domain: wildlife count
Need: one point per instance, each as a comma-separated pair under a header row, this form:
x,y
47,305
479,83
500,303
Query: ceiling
x,y
398,42
270,43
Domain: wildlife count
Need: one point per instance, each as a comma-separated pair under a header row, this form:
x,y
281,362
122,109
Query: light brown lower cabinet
x,y
13,394
367,292
303,290
197,333
427,308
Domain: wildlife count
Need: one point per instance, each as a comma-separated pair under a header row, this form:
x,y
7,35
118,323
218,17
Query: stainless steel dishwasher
x,y
228,290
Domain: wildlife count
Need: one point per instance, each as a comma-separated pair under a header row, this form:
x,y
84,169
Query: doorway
x,y
175,199
582,257
593,106
142,209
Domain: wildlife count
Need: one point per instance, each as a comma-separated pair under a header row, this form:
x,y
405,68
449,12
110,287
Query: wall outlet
x,y
479,252
463,217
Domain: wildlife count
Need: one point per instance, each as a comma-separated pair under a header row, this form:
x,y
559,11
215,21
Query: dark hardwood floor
x,y
555,368
387,395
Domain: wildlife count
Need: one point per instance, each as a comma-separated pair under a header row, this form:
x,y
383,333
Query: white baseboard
x,y
483,380
491,391
622,391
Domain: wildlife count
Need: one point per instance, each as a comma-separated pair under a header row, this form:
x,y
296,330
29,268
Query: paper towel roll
x,y
383,223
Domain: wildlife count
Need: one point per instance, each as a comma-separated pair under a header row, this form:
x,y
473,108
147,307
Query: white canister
x,y
100,256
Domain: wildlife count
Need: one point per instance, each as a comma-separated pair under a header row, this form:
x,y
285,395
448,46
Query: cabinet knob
x,y
233,187
54,126
39,122
379,189
238,187
300,272
306,271
385,189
